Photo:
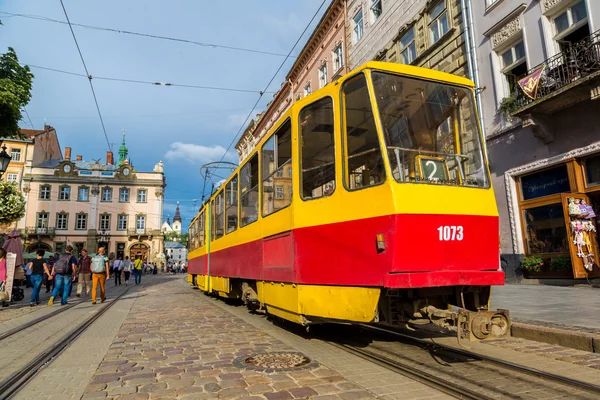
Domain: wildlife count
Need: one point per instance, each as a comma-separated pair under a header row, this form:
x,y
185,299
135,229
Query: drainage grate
x,y
271,362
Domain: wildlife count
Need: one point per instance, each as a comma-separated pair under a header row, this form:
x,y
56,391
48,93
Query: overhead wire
x,y
152,36
272,79
29,118
88,74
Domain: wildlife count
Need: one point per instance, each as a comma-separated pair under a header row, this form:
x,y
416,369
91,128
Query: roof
x,y
31,133
174,245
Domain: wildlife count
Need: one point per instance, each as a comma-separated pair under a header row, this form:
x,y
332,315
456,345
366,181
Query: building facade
x,y
539,69
91,204
176,253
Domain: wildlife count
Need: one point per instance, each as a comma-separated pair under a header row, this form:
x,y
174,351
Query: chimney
x,y
78,158
109,158
67,153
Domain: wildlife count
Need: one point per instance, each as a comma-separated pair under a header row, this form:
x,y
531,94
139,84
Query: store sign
x,y
85,173
545,183
107,174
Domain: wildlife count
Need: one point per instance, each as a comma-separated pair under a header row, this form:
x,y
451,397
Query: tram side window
x,y
363,159
218,215
249,192
317,173
201,234
277,157
231,201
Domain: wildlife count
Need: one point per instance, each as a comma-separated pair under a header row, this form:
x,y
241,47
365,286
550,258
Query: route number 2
x,y
450,233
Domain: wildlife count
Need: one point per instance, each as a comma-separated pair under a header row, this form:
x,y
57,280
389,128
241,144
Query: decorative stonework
x,y
511,186
547,5
509,30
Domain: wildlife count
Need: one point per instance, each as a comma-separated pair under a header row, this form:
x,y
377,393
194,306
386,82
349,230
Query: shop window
x,y
545,183
438,22
362,156
571,26
317,152
276,156
514,66
545,229
249,191
231,201
218,213
592,171
408,49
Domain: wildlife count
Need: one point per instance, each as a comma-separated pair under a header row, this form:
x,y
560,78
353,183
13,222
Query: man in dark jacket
x,y
85,271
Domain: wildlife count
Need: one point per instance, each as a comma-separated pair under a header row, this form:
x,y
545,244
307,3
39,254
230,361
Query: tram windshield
x,y
431,131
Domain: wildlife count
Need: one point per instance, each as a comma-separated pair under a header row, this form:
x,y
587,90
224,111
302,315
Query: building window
x,y
338,57
357,30
571,26
279,192
323,75
438,22
122,223
376,10
140,222
107,194
317,153
64,193
514,66
12,177
142,195
15,154
592,171
62,220
45,192
42,220
408,49
307,89
81,221
83,193
124,195
105,222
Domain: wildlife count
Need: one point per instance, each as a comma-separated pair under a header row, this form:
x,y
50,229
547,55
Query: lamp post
x,y
4,160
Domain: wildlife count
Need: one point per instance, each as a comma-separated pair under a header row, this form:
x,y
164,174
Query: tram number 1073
x,y
450,233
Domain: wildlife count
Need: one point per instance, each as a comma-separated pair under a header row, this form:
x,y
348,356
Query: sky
x,y
182,126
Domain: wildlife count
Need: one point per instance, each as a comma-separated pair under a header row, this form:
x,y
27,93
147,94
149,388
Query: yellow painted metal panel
x,y
220,284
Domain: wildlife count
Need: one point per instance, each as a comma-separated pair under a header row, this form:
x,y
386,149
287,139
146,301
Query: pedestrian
x,y
154,270
138,266
162,268
64,270
100,272
48,280
118,270
85,270
39,269
3,273
28,283
126,269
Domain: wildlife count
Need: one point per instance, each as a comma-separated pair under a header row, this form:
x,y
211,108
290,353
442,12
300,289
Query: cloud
x,y
195,153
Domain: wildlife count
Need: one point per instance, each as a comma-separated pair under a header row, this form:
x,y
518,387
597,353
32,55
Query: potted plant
x,y
507,106
560,264
531,264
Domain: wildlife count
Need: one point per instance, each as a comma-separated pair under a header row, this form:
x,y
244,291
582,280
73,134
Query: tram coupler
x,y
483,325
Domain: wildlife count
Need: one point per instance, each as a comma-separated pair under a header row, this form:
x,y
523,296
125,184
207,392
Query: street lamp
x,y
4,160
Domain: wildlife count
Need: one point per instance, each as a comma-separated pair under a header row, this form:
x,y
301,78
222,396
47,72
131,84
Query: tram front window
x,y
431,131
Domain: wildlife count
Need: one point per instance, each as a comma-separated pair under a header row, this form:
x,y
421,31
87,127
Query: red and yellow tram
x,y
368,201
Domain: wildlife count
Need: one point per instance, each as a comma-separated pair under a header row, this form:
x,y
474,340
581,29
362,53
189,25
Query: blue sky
x,y
183,127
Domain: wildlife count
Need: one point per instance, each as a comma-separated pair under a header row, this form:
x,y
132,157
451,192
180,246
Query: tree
x,y
176,237
15,93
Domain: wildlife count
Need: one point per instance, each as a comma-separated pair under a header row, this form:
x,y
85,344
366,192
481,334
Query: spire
x,y
177,216
122,151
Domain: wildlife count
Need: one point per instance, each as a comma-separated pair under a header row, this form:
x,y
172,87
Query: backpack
x,y
61,266
138,264
98,266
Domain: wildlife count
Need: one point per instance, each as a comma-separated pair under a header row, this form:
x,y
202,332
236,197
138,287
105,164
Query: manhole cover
x,y
270,362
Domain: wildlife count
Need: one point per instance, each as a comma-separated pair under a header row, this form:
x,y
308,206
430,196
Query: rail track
x,y
19,379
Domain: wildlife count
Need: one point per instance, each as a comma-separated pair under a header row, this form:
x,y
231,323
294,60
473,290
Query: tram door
x,y
580,221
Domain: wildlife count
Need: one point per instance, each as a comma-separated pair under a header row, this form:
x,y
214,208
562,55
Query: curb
x,y
572,339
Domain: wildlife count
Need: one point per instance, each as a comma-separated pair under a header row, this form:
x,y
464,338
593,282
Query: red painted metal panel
x,y
197,265
443,278
278,258
243,261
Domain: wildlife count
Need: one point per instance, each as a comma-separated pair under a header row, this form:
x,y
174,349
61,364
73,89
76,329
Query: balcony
x,y
43,231
568,78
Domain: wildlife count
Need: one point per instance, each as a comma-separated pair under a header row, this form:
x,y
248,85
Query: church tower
x,y
122,151
177,220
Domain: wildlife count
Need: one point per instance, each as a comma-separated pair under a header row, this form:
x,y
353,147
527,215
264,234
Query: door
x,y
582,239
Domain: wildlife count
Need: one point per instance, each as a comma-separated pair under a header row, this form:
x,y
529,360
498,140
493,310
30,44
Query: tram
x,y
368,201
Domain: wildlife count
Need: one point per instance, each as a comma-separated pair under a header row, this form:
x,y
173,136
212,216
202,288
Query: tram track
x,y
20,378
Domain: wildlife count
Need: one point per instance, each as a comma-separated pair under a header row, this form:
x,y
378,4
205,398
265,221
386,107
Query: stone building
x,y
176,253
88,204
544,145
321,61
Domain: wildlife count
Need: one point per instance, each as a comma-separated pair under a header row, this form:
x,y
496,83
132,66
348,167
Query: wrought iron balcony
x,y
137,232
40,231
577,67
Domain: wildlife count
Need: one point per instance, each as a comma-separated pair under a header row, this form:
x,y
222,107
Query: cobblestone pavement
x,y
178,343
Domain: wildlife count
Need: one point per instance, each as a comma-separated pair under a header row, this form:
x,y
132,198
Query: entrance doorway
x,y
139,249
121,251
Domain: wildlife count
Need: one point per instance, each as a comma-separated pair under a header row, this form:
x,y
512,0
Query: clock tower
x,y
177,220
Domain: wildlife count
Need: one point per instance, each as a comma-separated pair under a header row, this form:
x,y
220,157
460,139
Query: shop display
x,y
582,227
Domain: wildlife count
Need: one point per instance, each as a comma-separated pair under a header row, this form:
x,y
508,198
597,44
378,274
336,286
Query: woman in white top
x,y
126,269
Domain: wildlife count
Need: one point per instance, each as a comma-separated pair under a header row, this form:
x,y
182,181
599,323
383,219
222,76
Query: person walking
x,y
118,270
48,280
3,273
100,272
28,283
85,270
38,269
65,270
126,269
138,266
